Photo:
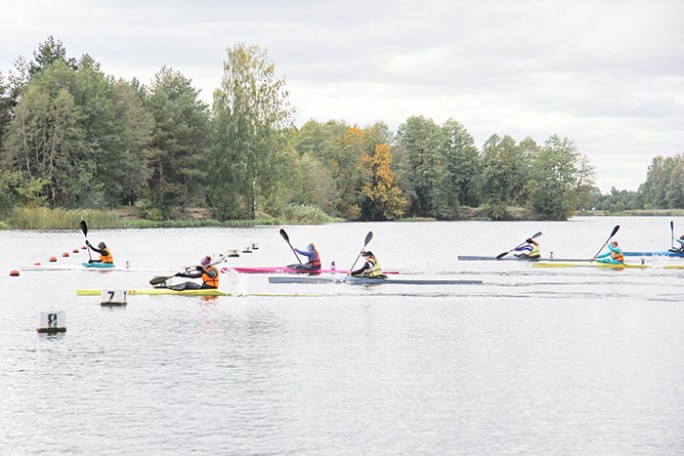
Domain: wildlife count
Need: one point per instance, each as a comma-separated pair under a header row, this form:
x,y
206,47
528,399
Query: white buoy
x,y
51,322
113,297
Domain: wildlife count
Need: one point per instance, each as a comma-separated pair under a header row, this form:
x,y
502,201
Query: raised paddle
x,y
671,234
369,236
534,236
84,228
615,230
284,235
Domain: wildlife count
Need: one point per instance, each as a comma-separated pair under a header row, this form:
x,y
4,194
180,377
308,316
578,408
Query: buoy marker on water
x,y
65,255
14,273
53,259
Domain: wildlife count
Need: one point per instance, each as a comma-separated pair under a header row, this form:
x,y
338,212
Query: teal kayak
x,y
98,265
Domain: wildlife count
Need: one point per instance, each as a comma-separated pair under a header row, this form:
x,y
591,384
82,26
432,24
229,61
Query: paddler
x,y
529,250
679,249
207,271
105,254
613,256
313,259
371,267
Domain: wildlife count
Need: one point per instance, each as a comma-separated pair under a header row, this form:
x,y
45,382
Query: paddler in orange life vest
x,y
105,254
207,271
314,259
613,256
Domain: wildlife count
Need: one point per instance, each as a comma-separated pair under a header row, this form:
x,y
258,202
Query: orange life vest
x,y
107,258
211,282
618,256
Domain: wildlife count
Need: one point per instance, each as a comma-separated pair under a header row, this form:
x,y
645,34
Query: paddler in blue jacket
x,y
613,256
314,259
529,250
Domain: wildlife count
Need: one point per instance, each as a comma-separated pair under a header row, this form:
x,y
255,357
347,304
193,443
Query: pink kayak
x,y
286,270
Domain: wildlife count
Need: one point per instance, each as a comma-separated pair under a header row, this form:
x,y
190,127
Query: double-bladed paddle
x,y
157,280
615,230
534,236
369,236
84,228
284,235
672,234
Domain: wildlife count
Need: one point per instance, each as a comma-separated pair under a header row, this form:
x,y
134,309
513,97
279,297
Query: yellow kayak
x,y
161,291
201,292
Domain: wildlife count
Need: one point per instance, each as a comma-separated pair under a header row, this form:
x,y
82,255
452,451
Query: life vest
x,y
108,258
316,261
211,282
376,270
617,255
535,251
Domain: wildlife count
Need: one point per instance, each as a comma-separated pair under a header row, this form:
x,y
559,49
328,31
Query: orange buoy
x,y
74,251
53,259
14,273
37,263
83,247
65,254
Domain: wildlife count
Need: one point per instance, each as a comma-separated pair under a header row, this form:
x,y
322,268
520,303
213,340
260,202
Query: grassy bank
x,y
40,218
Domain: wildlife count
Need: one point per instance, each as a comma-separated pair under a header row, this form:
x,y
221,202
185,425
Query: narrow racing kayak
x,y
98,265
83,267
287,270
370,281
665,253
607,265
160,291
203,292
513,258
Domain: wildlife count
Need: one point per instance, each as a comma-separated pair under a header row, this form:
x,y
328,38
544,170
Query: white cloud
x,y
608,75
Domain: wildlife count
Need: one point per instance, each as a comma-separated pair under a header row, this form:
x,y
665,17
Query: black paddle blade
x,y
369,236
84,228
159,279
501,255
615,230
284,235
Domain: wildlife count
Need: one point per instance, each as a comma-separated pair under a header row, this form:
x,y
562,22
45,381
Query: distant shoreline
x,y
42,219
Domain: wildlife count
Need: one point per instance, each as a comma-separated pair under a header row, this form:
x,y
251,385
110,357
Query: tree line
x,y
74,137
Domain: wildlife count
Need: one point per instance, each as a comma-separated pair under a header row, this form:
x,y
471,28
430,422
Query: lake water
x,y
574,361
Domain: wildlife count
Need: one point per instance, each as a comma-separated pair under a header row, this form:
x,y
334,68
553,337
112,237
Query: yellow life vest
x,y
375,271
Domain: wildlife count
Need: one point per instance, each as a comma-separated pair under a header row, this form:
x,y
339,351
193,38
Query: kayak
x,y
161,291
665,253
287,270
98,265
606,265
514,258
82,267
201,292
371,281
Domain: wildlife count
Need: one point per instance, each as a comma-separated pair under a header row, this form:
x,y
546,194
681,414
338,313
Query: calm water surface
x,y
533,361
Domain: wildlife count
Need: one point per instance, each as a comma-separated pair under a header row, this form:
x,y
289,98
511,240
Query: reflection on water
x,y
577,361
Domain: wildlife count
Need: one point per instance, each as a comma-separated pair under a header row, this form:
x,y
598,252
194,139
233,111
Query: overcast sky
x,y
609,75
